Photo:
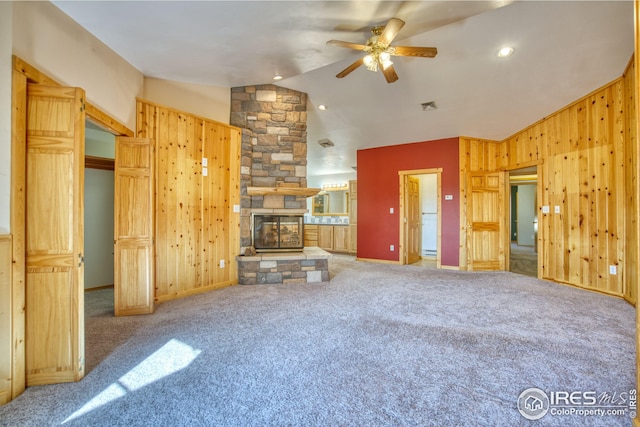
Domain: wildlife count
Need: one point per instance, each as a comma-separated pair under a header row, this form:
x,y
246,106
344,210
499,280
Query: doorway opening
x,y
420,218
523,208
99,220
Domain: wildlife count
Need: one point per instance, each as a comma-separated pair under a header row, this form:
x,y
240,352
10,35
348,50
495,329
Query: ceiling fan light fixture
x,y
385,64
378,51
277,77
370,62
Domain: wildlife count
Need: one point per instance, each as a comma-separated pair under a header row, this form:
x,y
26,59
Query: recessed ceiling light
x,y
505,51
277,77
322,107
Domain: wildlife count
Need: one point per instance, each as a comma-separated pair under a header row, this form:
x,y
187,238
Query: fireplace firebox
x,y
278,233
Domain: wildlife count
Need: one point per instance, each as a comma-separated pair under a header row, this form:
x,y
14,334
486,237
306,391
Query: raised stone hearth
x,y
309,266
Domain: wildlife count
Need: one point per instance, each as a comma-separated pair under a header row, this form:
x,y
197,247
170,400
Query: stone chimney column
x,y
274,148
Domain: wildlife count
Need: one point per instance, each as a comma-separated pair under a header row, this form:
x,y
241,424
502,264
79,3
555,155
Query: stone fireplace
x,y
273,177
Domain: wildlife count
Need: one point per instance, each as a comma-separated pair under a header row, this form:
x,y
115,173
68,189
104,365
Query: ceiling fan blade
x,y
391,30
349,45
349,69
390,74
424,52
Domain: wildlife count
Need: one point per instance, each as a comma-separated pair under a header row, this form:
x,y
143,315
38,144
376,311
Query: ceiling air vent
x,y
431,105
325,143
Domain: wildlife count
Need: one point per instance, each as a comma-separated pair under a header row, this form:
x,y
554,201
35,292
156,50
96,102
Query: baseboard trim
x,y
378,261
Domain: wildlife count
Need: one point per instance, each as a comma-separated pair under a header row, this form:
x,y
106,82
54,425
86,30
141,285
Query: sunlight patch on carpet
x,y
168,359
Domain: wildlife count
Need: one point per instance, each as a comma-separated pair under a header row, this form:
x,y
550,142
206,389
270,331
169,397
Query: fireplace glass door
x,y
278,233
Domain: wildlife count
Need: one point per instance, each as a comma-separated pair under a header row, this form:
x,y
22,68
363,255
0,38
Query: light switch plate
x,y
204,162
545,209
557,209
448,196
205,172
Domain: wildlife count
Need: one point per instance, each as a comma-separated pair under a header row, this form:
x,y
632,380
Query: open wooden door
x,y
134,284
54,339
413,220
486,221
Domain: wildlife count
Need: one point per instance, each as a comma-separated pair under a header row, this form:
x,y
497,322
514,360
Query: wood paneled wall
x,y
587,159
197,227
583,172
631,186
5,319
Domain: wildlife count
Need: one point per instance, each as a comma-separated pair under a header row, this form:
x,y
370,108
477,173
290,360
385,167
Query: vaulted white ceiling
x,y
563,50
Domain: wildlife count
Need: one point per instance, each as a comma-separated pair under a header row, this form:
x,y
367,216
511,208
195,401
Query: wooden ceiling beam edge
x,y
103,163
282,191
96,114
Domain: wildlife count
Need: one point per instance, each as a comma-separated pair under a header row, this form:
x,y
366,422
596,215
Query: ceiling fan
x,y
379,50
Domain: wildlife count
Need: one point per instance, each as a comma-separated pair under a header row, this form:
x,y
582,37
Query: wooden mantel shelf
x,y
282,191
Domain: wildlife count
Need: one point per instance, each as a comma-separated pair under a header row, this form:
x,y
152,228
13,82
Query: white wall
x,y
99,144
98,228
211,102
429,213
6,14
98,212
526,214
52,42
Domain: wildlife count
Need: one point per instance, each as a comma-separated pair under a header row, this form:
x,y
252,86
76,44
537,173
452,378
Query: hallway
x,y
524,260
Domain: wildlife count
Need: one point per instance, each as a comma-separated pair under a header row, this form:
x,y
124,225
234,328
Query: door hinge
x,y
82,106
80,260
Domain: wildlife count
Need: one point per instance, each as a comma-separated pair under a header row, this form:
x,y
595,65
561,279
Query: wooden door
x,y
414,219
54,338
134,284
486,221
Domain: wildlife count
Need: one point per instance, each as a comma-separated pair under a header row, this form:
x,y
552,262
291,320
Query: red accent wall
x,y
379,190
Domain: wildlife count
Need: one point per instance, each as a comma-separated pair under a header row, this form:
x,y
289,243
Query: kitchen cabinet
x,y
310,235
353,217
341,238
325,237
333,238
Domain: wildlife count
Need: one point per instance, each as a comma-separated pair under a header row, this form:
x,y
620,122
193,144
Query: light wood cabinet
x,y
341,238
310,235
353,217
353,239
334,238
325,237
